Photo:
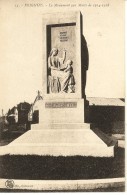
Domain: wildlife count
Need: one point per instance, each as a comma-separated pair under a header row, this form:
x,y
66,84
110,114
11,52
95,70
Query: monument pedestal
x,y
50,138
79,141
61,111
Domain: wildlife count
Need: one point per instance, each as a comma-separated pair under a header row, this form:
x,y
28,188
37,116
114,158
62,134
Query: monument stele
x,y
62,128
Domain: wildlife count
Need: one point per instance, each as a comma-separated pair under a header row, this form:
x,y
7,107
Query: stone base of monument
x,y
62,140
61,111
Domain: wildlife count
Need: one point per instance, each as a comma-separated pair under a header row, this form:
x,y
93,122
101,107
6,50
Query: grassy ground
x,y
62,168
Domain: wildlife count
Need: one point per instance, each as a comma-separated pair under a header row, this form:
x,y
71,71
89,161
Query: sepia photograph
x,y
62,102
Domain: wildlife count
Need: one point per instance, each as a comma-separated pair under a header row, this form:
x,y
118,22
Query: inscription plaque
x,y
61,105
63,36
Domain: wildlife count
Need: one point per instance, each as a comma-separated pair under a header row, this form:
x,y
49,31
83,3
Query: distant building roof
x,y
99,101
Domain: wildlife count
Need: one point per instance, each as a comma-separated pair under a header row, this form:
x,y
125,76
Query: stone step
x,y
60,126
52,149
58,136
60,142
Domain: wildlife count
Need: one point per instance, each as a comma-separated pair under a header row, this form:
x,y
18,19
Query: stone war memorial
x,y
63,128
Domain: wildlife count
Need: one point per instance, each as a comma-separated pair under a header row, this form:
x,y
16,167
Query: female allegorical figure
x,y
60,79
